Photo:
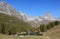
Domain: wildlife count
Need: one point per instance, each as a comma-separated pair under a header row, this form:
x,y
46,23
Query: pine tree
x,y
43,27
48,26
3,28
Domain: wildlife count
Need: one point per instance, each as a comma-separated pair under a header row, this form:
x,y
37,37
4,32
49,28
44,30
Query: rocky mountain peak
x,y
3,3
48,15
6,8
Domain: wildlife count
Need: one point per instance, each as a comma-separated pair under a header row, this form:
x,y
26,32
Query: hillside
x,y
9,24
54,33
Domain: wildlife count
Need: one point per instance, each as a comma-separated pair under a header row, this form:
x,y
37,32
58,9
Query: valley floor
x,y
20,37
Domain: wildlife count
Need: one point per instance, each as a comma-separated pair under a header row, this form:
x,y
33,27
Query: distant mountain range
x,y
34,21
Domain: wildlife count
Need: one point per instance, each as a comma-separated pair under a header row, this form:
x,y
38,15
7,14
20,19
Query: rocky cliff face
x,y
9,10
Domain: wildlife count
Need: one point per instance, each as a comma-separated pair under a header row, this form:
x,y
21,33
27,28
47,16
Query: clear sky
x,y
36,7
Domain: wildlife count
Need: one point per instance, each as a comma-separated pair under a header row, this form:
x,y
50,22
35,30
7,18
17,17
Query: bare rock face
x,y
6,8
3,7
9,10
35,21
48,16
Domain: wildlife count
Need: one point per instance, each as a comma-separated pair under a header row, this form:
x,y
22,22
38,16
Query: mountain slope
x,y
54,33
10,21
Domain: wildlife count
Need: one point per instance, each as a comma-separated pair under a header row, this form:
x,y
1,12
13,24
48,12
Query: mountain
x,y
48,16
33,20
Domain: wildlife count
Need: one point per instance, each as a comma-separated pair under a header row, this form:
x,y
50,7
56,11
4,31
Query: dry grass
x,y
25,37
54,33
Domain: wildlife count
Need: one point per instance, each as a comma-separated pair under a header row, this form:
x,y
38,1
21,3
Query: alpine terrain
x,y
34,21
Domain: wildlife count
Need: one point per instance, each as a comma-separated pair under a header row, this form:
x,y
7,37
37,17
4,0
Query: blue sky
x,y
36,7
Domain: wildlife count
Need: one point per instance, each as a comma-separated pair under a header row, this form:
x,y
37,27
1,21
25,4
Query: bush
x,y
57,22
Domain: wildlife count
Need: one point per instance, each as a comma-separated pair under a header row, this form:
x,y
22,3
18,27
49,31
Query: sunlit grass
x,y
18,37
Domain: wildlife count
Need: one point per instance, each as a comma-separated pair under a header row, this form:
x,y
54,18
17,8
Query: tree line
x,y
45,27
13,29
10,30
